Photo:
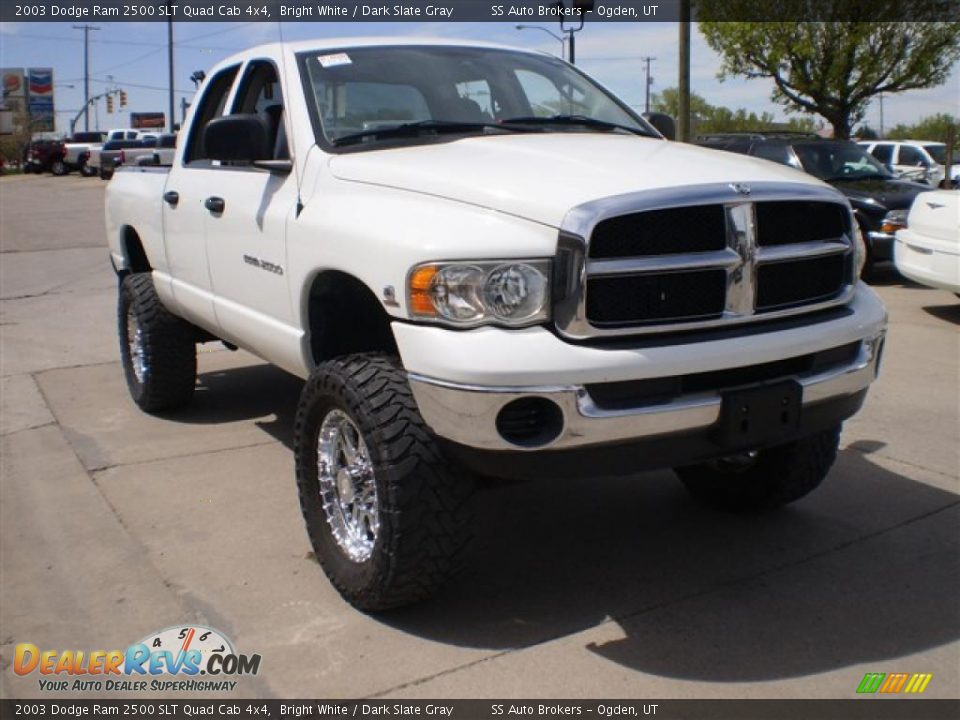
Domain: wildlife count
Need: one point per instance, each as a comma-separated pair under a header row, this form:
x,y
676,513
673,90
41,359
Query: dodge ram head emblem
x,y
740,189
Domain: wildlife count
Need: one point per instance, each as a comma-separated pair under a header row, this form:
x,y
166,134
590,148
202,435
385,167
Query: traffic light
x,y
109,103
123,98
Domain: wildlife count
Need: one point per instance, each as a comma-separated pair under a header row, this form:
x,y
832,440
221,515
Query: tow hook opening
x,y
530,422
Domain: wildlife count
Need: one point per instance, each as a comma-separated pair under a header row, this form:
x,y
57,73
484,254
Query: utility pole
x,y
881,115
648,83
683,84
86,72
170,63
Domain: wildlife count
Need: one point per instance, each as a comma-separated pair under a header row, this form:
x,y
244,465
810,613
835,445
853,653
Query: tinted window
x,y
776,153
260,94
911,156
211,106
938,153
838,161
883,153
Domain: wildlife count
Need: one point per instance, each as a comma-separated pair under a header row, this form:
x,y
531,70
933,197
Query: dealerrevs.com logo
x,y
178,658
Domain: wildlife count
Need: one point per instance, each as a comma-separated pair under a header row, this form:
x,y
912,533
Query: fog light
x,y
530,422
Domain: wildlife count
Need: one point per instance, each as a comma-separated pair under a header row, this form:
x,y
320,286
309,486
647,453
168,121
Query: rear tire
x,y
58,168
390,525
157,349
773,477
87,171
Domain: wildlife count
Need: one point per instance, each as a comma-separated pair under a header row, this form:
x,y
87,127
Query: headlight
x,y
859,249
506,292
894,220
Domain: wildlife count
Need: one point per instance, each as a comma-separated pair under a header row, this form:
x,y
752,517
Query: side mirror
x,y
663,123
237,138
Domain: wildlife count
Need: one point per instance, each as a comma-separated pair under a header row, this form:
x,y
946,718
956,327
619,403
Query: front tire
x,y
157,349
764,480
386,512
87,171
58,168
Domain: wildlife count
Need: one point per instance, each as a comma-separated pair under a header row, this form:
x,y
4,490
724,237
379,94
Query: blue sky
x,y
135,55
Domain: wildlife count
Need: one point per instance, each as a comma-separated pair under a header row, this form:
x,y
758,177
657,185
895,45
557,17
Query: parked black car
x,y
880,200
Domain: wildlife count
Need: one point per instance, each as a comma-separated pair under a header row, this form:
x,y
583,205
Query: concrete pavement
x,y
114,524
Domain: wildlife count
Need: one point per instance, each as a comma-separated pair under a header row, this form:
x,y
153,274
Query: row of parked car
x,y
880,196
98,153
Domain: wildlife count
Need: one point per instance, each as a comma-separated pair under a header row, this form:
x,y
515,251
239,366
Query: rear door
x,y
188,185
246,242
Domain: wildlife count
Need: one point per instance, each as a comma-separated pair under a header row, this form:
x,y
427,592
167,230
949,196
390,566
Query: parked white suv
x,y
483,263
920,160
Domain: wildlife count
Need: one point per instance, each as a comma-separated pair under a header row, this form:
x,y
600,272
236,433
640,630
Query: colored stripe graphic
x,y
894,682
871,682
918,683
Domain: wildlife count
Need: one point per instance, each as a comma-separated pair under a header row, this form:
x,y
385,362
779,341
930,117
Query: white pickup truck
x,y
485,264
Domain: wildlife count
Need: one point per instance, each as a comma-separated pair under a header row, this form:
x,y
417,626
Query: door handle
x,y
171,198
214,204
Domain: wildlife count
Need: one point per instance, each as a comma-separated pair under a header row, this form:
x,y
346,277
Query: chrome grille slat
x,y
663,263
748,249
778,253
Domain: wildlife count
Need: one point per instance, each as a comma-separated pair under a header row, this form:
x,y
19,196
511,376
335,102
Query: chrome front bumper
x,y
466,414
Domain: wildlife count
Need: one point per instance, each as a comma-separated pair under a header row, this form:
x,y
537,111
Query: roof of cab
x,y
345,43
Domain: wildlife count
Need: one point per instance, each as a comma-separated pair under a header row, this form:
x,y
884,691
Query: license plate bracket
x,y
759,415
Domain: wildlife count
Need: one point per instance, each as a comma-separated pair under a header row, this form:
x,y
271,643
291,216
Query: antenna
x,y
291,135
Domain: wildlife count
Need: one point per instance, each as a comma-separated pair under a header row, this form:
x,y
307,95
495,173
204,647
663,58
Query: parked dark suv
x,y
40,156
880,200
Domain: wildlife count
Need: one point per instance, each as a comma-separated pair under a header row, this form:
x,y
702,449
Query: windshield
x,y
938,153
365,89
839,161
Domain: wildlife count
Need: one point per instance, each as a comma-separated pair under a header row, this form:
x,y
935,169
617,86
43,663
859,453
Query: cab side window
x,y
211,106
911,156
883,153
260,94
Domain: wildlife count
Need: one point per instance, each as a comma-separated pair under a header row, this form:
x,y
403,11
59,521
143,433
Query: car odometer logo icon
x,y
181,639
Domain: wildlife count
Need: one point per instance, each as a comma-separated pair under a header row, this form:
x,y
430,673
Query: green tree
x,y
932,127
834,67
707,118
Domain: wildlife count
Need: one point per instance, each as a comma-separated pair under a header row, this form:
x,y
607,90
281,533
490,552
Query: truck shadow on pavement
x,y
865,570
948,313
862,571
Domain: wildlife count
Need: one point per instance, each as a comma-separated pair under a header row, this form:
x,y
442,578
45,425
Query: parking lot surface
x,y
115,524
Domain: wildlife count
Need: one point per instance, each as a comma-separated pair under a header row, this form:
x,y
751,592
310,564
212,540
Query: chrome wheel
x,y
135,345
348,488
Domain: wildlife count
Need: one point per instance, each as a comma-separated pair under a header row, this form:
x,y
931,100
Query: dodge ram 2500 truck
x,y
485,264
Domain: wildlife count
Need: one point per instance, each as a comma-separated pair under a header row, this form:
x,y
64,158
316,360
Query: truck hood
x,y
540,177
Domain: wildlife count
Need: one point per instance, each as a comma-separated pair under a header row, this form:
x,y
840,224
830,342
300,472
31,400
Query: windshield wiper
x,y
583,120
413,129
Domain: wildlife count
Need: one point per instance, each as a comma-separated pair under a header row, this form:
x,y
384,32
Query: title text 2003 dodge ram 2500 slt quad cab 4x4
x,y
485,264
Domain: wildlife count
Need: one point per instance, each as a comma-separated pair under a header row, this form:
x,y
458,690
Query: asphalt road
x,y
115,524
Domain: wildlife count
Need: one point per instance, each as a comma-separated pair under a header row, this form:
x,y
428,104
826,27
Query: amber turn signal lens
x,y
420,280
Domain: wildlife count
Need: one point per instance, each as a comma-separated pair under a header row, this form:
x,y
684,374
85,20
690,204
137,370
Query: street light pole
x,y
86,72
649,81
563,42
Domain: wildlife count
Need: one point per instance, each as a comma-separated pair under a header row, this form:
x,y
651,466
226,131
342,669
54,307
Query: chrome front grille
x,y
701,256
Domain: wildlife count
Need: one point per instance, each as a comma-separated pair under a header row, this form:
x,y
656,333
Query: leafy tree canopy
x,y
707,118
835,68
